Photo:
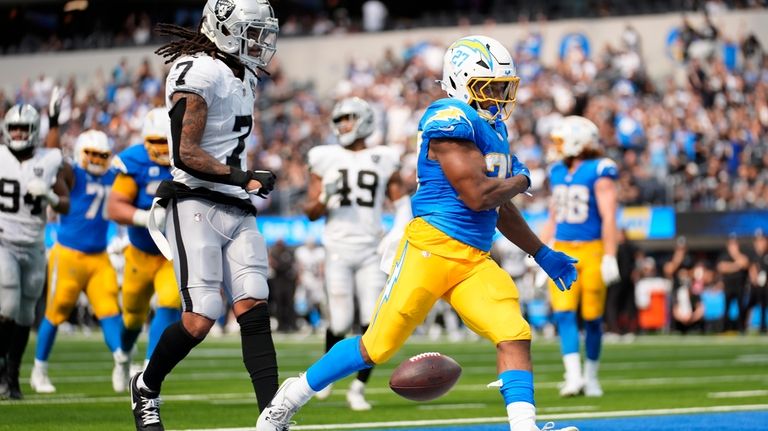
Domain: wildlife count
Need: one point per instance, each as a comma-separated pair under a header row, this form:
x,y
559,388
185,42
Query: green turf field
x,y
210,389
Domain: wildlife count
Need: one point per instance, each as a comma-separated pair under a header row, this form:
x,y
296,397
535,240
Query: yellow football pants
x,y
69,273
589,289
144,275
430,265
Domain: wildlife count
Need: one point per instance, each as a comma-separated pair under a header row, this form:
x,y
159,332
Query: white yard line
x,y
738,394
487,420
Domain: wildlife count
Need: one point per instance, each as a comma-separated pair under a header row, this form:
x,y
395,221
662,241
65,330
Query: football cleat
x,y
592,388
40,381
4,389
277,416
120,371
146,407
12,379
550,426
572,388
324,393
356,396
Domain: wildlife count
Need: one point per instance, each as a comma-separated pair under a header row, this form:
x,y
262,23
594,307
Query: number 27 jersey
x,y
230,114
573,194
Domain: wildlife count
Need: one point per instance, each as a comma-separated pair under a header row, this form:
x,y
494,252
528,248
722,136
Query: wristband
x,y
140,218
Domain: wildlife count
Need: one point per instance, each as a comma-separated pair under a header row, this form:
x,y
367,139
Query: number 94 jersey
x,y
574,203
361,182
22,217
230,114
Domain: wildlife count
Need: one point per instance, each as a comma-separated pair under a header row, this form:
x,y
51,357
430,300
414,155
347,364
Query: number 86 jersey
x,y
230,114
574,202
360,183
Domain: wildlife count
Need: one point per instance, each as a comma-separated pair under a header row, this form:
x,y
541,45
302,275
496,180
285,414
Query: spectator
x,y
282,286
620,310
374,15
733,266
758,272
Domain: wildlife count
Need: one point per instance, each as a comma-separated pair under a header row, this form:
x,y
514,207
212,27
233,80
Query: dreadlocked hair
x,y
192,42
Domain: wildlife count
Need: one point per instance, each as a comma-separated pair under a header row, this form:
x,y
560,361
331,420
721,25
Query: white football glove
x,y
609,268
329,196
37,187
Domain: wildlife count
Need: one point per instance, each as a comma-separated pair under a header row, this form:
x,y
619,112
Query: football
x,y
425,377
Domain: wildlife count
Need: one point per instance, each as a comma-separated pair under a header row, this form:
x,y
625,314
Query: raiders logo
x,y
375,158
224,9
38,171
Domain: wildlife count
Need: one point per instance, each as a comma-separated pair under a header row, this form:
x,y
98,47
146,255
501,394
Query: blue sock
x,y
343,359
568,330
128,339
593,340
164,316
46,335
112,327
517,385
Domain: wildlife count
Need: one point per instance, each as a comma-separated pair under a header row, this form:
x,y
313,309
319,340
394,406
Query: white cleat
x,y
40,382
572,388
550,426
592,388
277,415
324,393
120,372
356,396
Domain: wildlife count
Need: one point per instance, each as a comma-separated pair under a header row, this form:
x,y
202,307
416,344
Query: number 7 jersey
x,y
362,184
574,202
22,217
230,114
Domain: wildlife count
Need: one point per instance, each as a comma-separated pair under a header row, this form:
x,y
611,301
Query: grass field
x,y
211,390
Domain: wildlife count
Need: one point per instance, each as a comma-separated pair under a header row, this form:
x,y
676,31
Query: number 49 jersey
x,y
362,178
230,114
22,217
575,205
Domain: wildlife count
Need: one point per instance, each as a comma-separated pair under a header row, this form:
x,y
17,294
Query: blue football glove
x,y
558,266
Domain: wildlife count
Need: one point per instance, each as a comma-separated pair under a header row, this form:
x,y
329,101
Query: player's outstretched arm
x,y
314,207
558,266
464,166
188,117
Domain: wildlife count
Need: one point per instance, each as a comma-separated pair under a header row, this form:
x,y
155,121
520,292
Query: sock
x,y
569,331
522,416
6,334
590,369
517,385
259,353
128,338
18,343
593,339
164,316
174,345
46,335
41,365
342,360
331,339
572,364
112,328
364,374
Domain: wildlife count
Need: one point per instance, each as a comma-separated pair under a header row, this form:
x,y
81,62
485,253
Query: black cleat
x,y
146,407
12,380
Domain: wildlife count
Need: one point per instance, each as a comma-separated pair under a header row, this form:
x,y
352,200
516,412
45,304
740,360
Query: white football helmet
x,y
92,151
479,71
246,29
156,133
26,119
571,137
360,112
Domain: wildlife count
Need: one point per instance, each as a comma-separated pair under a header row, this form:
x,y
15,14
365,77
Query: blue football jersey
x,y
575,205
84,228
436,201
135,162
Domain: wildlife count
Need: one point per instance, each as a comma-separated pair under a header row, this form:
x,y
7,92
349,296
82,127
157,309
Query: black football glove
x,y
267,180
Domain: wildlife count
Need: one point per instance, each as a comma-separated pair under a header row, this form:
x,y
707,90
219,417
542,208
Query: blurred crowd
x,y
56,25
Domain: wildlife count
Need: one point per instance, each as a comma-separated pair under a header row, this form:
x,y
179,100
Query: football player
x,y
141,168
31,178
348,183
79,262
582,221
211,223
466,180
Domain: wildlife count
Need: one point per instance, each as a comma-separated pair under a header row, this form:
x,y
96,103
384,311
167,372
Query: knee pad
x,y
254,286
207,302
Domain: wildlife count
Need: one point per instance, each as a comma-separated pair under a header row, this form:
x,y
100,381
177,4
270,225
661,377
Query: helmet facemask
x,y
93,152
157,149
494,97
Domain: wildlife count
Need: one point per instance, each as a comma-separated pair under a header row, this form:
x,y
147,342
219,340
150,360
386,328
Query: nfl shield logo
x,y
38,171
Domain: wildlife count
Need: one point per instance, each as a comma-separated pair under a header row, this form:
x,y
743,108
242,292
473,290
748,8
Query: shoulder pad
x,y
194,74
607,168
444,120
319,157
